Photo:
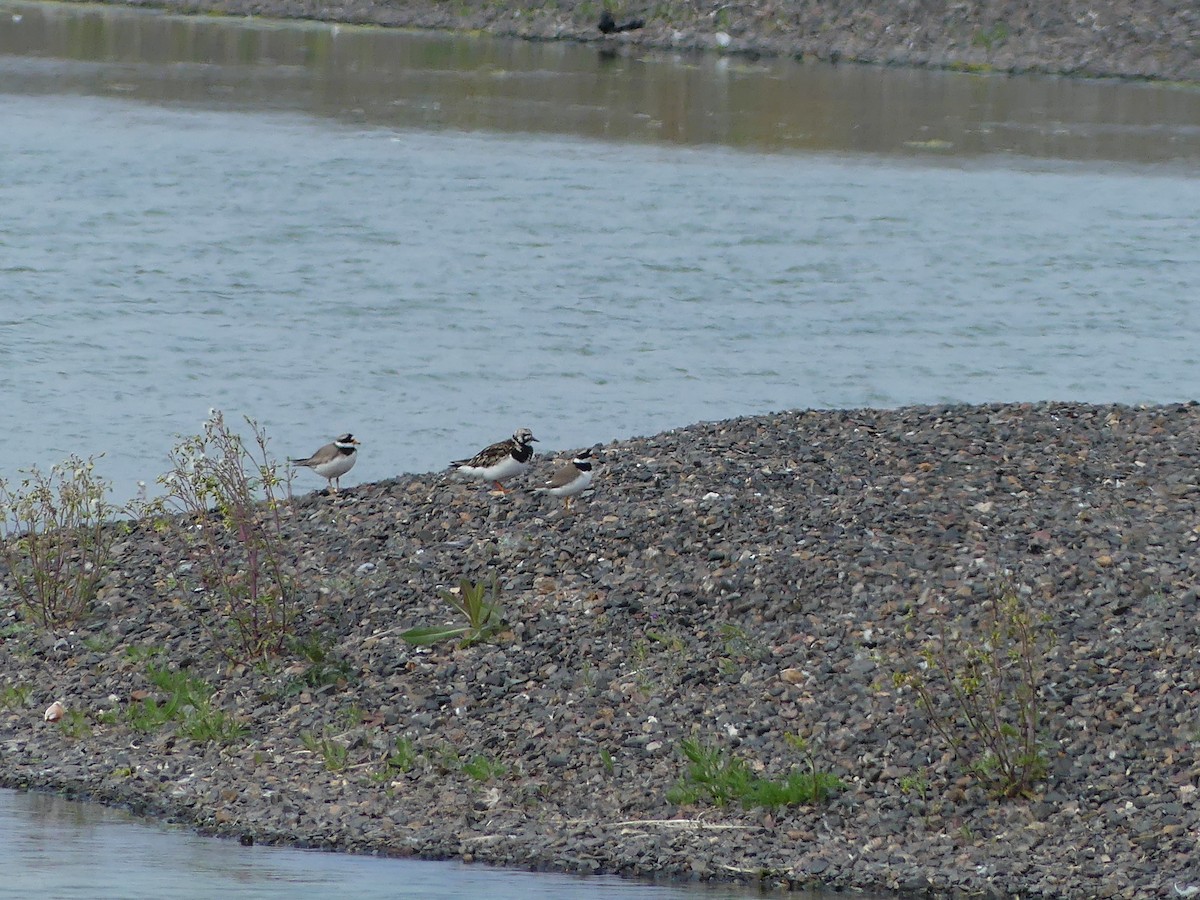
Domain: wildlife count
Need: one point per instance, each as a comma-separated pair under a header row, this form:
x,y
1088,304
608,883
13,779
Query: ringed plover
x,y
573,478
332,461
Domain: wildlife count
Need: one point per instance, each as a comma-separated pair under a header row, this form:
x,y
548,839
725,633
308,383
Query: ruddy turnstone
x,y
573,478
332,461
500,461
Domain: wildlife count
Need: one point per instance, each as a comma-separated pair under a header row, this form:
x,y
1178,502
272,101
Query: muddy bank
x,y
1145,39
740,583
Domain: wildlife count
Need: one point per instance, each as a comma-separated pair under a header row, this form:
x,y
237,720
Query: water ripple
x,y
432,291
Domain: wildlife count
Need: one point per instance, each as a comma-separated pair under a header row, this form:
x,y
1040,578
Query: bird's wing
x,y
563,477
324,455
488,456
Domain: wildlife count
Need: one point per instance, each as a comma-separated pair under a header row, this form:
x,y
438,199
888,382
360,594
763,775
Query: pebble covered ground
x,y
1157,39
741,582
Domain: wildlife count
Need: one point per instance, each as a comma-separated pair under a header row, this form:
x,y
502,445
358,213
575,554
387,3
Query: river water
x,y
432,240
58,849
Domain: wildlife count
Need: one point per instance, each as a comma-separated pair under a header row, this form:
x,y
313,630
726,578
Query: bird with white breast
x,y
571,480
333,460
500,461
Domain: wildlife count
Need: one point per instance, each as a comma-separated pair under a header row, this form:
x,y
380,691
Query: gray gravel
x,y
738,581
1157,39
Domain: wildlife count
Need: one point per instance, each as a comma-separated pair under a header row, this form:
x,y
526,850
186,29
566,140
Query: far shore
x,y
1145,39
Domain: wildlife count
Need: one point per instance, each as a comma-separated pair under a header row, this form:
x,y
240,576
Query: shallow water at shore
x,y
53,847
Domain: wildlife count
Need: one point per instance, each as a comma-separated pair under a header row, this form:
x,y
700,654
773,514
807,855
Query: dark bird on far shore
x,y
608,25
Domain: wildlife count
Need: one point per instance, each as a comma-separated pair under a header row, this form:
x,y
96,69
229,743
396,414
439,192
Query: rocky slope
x,y
740,583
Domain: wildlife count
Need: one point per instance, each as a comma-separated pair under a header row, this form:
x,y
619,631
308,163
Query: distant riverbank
x,y
743,584
1156,39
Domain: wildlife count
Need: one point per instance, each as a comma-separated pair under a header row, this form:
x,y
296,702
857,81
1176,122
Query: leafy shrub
x,y
981,691
232,497
55,539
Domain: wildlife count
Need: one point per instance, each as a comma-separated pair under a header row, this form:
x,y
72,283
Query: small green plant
x,y
12,631
714,775
99,643
201,721
981,691
232,499
54,539
739,648
587,676
401,760
915,784
180,684
640,651
822,784
188,702
448,759
739,643
606,760
478,603
990,38
483,768
74,724
139,653
208,724
15,696
333,752
324,668
149,715
671,642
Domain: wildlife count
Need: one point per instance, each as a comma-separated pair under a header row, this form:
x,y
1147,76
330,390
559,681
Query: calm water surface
x,y
62,850
430,240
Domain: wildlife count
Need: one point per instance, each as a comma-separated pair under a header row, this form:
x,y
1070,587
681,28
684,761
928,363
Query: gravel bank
x,y
740,581
1157,39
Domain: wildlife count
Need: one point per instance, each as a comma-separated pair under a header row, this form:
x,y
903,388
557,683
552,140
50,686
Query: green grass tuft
x,y
715,776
